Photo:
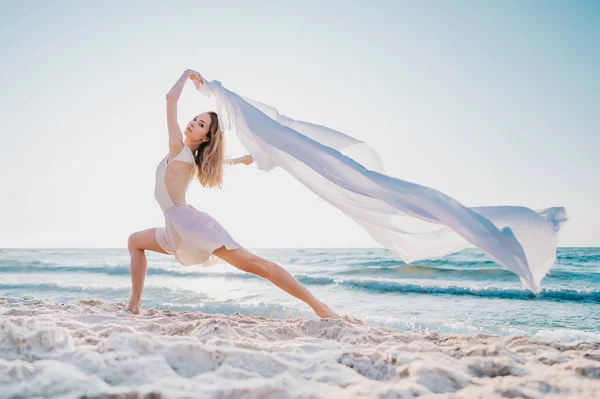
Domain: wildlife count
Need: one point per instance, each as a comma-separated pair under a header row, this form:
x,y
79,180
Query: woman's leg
x,y
248,262
138,242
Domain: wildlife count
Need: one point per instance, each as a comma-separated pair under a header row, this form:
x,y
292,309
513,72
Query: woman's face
x,y
198,127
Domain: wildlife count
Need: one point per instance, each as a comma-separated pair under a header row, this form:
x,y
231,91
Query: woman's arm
x,y
175,136
246,160
177,88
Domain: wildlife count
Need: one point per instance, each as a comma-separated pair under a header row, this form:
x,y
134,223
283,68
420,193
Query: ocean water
x,y
460,293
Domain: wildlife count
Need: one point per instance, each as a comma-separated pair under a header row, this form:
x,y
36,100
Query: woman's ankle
x,y
133,302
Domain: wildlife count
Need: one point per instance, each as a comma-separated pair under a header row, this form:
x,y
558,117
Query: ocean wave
x,y
568,335
388,286
401,272
37,287
429,272
118,270
466,260
449,261
378,262
482,273
581,257
349,279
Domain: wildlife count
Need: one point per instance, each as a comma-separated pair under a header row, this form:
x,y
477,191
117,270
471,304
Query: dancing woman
x,y
192,236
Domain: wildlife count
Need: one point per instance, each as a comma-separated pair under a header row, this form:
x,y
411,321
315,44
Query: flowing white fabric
x,y
415,222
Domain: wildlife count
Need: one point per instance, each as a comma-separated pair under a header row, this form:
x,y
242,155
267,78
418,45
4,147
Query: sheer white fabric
x,y
414,221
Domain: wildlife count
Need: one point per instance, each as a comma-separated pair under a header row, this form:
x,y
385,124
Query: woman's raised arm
x,y
175,135
177,88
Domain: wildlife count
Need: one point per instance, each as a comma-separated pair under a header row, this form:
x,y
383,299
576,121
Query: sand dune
x,y
94,349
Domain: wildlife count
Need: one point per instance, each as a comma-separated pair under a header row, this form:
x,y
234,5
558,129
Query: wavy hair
x,y
210,156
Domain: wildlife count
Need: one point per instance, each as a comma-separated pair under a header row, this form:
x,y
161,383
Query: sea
x,y
461,293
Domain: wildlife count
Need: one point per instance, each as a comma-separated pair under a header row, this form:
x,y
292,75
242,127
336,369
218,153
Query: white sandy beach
x,y
94,349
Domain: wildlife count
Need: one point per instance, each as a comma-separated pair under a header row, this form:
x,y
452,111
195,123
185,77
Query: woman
x,y
190,235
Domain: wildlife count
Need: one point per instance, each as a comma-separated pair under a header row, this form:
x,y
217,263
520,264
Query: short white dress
x,y
189,235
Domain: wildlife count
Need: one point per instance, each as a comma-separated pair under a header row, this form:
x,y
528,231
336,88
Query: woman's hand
x,y
246,159
195,77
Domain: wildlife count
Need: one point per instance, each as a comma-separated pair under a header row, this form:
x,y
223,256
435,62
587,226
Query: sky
x,y
492,103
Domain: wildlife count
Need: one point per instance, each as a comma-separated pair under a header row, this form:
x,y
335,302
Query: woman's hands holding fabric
x,y
195,77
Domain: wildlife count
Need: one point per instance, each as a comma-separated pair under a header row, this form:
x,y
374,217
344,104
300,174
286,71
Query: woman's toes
x,y
325,311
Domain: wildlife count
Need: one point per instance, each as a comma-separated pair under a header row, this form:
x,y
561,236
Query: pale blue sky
x,y
490,102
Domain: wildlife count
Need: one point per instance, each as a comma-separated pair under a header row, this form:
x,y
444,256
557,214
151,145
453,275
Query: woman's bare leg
x,y
138,242
248,262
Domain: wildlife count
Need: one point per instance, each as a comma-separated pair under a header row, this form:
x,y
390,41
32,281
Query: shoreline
x,y
92,348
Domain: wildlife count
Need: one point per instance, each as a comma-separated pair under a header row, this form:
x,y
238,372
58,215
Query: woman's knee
x,y
145,240
133,242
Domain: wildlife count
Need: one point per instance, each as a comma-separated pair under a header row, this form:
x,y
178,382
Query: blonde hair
x,y
210,156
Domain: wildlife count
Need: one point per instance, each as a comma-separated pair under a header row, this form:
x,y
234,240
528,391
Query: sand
x,y
95,349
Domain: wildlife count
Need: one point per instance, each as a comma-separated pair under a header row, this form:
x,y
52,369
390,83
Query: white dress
x,y
190,235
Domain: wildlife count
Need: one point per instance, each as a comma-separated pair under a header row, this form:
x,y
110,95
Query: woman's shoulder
x,y
184,155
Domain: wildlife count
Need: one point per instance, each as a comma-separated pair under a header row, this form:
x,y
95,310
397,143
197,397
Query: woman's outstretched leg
x,y
137,244
248,262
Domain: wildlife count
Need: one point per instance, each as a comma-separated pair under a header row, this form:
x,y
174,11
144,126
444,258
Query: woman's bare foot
x,y
133,307
324,311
